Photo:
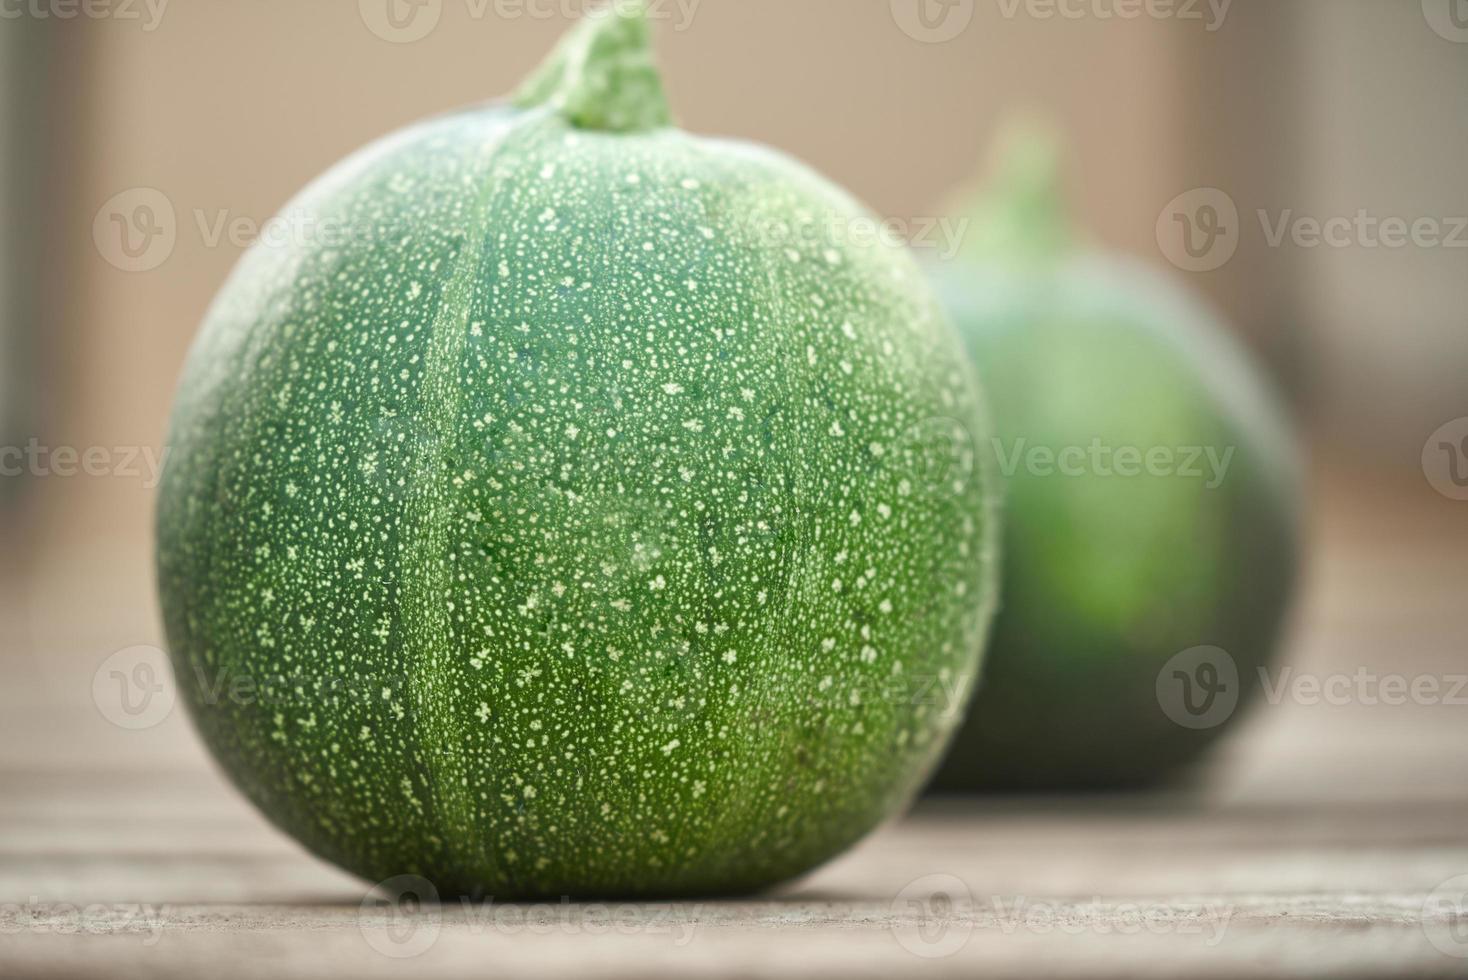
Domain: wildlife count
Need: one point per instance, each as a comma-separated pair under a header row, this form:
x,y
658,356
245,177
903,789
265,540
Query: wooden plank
x,y
1059,887
1326,840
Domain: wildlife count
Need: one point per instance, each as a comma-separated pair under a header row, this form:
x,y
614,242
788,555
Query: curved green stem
x,y
1020,218
602,75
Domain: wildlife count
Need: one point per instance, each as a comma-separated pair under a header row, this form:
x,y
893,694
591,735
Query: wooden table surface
x,y
1325,840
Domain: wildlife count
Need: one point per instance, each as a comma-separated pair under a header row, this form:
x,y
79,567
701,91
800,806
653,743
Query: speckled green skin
x,y
574,520
1107,577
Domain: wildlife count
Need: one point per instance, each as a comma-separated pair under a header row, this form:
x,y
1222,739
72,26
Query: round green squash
x,y
1116,562
578,516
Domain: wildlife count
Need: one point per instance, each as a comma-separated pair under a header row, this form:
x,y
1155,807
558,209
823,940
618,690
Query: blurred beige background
x,y
1314,108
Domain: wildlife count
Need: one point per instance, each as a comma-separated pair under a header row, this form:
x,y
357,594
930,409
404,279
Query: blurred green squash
x,y
1151,496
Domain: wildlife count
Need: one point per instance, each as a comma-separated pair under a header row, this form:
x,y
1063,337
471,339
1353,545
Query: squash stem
x,y
1020,218
602,75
